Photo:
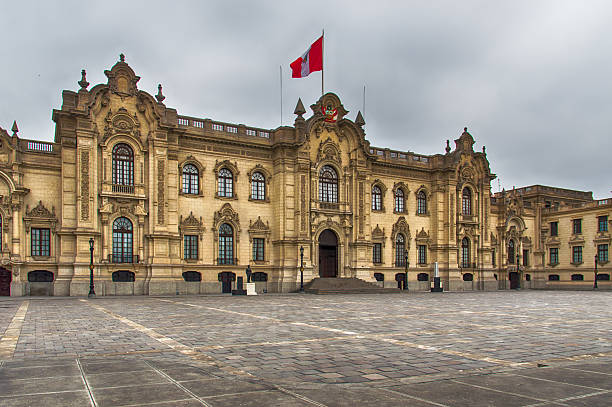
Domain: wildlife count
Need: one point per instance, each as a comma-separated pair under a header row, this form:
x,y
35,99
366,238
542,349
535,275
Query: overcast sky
x,y
532,80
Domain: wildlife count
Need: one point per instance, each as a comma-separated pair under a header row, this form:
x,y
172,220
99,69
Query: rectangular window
x,y
577,226
554,255
422,254
602,253
493,258
602,223
190,251
577,254
554,228
525,258
258,249
40,242
377,253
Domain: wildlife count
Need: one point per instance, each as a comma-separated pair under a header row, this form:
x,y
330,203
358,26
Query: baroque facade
x,y
181,205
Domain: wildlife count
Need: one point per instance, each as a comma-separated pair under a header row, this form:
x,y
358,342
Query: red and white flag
x,y
311,61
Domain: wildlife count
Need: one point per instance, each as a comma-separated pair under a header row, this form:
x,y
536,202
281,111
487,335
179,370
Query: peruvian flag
x,y
311,61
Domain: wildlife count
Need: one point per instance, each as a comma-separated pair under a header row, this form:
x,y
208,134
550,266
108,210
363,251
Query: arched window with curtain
x,y
421,203
191,184
465,252
123,165
511,251
399,200
258,186
466,201
226,244
400,249
376,198
328,184
226,183
122,240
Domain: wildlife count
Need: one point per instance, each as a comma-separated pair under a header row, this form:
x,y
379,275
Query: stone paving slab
x,y
455,349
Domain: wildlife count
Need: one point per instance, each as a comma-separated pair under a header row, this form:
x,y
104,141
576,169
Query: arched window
x,y
376,198
122,241
259,277
328,184
258,186
465,252
226,183
400,249
226,244
190,179
423,277
123,165
421,203
511,251
468,277
379,276
399,200
466,201
192,276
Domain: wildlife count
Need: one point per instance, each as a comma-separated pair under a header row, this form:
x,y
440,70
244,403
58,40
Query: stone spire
x,y
15,129
160,97
359,119
83,82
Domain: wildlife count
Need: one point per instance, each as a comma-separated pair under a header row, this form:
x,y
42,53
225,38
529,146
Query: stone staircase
x,y
345,286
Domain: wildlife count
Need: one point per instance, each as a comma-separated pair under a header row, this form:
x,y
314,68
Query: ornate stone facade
x,y
168,198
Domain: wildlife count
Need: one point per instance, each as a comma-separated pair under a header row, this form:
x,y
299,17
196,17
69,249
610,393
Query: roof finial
x,y
359,121
160,97
15,129
83,82
465,129
121,57
484,149
299,108
447,147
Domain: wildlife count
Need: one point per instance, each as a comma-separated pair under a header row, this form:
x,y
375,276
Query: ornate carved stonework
x,y
401,226
191,221
121,123
85,185
329,151
161,177
258,228
423,237
121,78
39,211
233,167
303,202
227,214
361,211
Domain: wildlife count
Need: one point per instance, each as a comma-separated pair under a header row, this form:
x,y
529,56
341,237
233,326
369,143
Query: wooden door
x,y
226,279
328,261
515,281
5,282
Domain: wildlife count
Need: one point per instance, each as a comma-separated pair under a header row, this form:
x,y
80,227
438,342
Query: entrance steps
x,y
345,286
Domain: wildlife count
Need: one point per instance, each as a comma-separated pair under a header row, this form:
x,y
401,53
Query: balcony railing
x,y
226,261
123,189
123,258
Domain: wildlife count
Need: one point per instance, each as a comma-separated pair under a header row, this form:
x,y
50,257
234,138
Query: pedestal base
x,y
250,289
436,287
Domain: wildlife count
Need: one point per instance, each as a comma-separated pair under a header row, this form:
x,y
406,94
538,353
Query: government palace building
x,y
179,205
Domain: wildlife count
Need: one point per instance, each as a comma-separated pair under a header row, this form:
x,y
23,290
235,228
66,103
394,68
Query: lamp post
x,y
595,282
92,293
301,268
518,269
406,264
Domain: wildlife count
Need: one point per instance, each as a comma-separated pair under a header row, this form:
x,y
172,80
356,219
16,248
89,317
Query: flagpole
x,y
364,100
322,60
280,67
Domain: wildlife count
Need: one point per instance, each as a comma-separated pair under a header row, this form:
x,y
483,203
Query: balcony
x,y
123,189
227,262
123,258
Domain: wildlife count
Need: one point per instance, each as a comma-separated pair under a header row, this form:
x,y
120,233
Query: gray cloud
x,y
530,79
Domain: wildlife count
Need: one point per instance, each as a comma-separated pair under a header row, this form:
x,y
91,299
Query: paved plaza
x,y
520,348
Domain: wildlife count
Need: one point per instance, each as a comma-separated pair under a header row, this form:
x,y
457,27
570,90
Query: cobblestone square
x,y
522,348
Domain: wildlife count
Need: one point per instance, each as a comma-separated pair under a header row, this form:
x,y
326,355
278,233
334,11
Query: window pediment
x,y
259,229
423,237
233,167
191,224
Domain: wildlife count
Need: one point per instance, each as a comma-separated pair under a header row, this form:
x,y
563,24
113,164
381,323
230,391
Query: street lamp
x,y
92,293
406,264
595,282
518,270
301,268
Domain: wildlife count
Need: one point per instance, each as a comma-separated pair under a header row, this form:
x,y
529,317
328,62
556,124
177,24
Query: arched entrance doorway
x,y
5,282
515,280
328,254
226,278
